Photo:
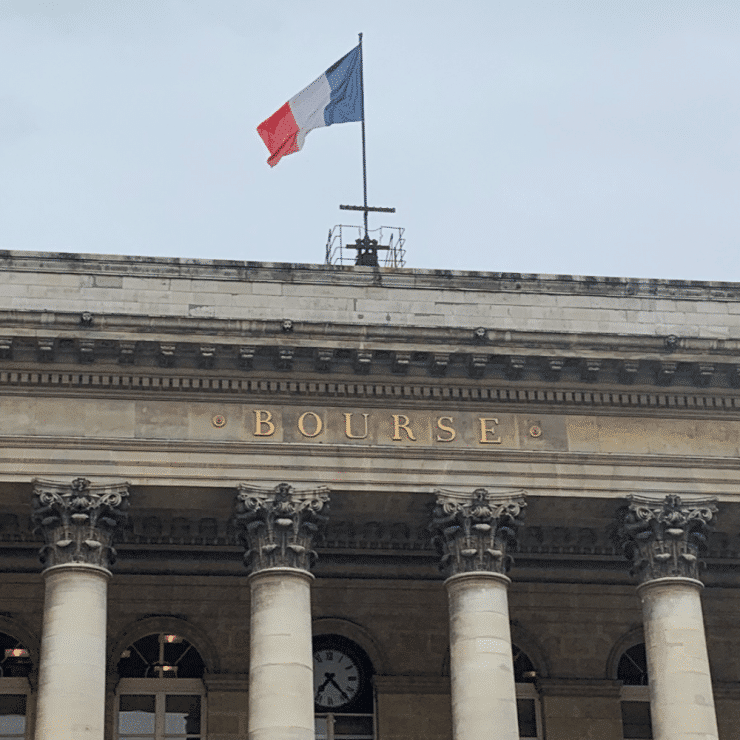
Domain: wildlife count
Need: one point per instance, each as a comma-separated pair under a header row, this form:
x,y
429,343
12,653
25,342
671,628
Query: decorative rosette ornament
x,y
78,520
665,537
476,532
280,527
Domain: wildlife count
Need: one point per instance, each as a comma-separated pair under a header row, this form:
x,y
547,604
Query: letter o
x,y
302,426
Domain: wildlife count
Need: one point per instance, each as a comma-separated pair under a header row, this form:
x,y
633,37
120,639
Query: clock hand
x,y
338,687
329,677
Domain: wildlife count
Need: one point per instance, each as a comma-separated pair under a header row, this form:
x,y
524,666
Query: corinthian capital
x,y
78,520
478,531
665,537
279,527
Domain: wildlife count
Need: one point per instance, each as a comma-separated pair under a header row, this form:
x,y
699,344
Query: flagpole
x,y
364,165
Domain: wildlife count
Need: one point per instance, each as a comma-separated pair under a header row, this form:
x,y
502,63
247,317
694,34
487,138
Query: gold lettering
x,y
398,425
445,428
348,427
317,422
486,430
262,419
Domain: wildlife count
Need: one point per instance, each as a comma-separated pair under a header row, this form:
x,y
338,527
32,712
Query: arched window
x,y
15,667
632,667
635,698
161,655
161,693
527,699
343,692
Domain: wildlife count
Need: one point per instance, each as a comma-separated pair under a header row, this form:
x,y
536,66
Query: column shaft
x,y
681,697
281,661
71,694
481,666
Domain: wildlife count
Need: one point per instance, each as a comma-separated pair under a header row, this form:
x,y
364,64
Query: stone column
x,y
664,539
78,522
475,535
279,528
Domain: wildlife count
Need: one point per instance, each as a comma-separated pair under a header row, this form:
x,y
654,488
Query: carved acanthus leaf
x,y
476,532
78,520
280,527
665,537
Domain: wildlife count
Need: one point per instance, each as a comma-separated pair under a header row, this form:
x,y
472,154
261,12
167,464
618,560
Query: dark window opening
x,y
524,670
636,721
12,715
15,658
632,668
527,716
162,655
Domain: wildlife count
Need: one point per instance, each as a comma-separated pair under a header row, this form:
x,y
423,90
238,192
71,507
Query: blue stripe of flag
x,y
345,104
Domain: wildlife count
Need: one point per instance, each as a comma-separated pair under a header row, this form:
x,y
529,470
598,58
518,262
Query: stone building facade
x,y
276,501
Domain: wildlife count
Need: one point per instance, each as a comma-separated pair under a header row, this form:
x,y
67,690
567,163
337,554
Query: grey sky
x,y
552,136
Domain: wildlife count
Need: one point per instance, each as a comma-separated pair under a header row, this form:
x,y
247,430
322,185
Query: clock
x,y
336,678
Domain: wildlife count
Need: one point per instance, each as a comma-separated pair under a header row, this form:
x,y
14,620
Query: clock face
x,y
336,678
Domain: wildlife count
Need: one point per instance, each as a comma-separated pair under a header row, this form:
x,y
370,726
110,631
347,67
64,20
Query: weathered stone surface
x,y
280,527
681,697
71,690
665,538
154,371
476,532
281,656
78,520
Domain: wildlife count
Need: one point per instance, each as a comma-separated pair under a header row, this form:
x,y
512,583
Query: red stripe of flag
x,y
279,133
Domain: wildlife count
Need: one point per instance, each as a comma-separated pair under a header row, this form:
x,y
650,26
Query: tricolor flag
x,y
335,97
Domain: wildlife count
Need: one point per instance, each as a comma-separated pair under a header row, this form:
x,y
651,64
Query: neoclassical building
x,y
278,502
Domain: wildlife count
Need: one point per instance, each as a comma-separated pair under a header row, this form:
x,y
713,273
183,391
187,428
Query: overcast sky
x,y
590,137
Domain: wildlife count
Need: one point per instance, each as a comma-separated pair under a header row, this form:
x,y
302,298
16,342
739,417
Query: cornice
x,y
226,682
26,324
726,691
33,340
579,687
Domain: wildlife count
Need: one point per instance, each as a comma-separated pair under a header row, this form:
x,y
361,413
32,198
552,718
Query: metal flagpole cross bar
x,y
367,248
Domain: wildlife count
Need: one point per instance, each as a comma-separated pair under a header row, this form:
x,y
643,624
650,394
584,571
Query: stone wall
x,y
365,296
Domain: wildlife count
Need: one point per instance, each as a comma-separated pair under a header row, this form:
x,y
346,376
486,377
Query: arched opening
x,y
161,655
15,668
343,692
632,666
160,695
527,700
635,698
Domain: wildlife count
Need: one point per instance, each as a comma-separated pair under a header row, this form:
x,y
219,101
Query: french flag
x,y
334,97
